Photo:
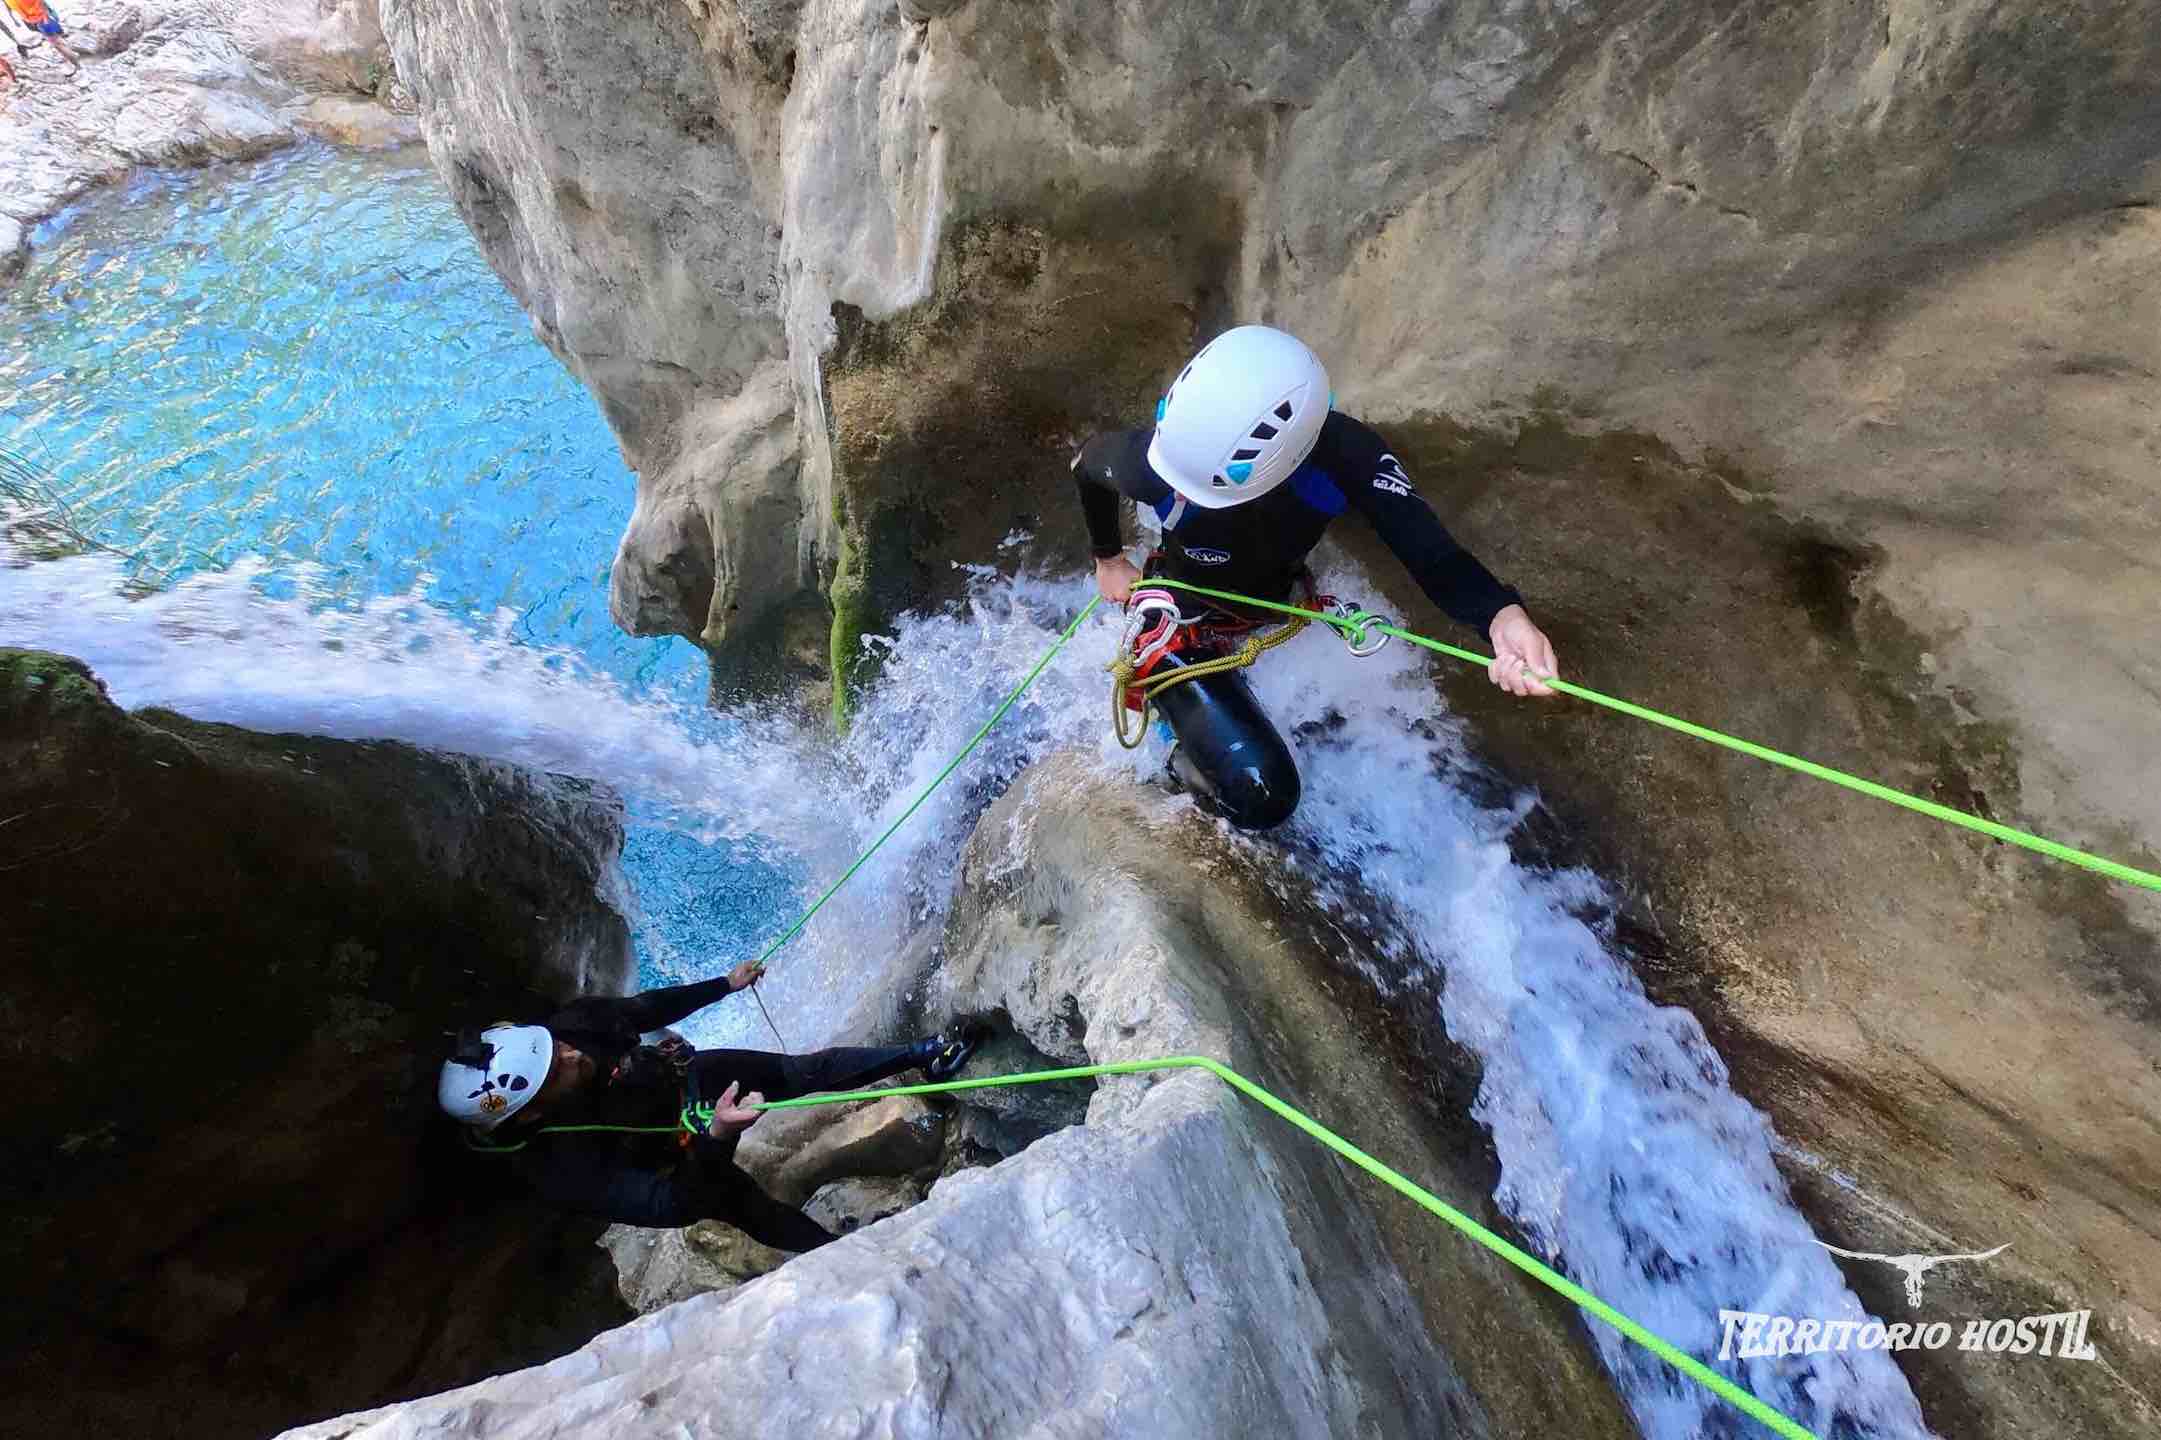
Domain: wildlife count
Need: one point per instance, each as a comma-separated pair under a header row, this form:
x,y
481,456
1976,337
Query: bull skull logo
x,y
1915,1266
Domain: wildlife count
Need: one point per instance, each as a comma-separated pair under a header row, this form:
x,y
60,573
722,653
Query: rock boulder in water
x,y
232,962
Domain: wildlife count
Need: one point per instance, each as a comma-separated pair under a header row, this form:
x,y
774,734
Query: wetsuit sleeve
x,y
644,1012
1452,577
1106,470
585,1180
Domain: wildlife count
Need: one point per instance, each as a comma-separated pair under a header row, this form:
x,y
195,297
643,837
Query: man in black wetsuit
x,y
588,1065
1245,468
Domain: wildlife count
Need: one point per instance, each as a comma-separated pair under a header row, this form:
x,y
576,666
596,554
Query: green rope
x,y
700,1117
1530,1264
966,750
1357,627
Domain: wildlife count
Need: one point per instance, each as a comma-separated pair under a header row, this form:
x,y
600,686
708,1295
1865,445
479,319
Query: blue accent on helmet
x,y
1161,406
1240,472
1331,399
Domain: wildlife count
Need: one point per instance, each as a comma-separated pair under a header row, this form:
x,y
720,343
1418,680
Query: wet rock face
x,y
232,959
1957,1039
1175,1264
1797,363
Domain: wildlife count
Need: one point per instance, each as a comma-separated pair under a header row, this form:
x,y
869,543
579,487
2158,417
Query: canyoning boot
x,y
944,1054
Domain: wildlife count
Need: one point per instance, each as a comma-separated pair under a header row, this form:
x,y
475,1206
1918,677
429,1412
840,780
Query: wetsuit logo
x,y
1204,556
1389,476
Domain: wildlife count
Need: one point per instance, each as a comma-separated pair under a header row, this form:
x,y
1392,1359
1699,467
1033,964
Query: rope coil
x,y
1143,646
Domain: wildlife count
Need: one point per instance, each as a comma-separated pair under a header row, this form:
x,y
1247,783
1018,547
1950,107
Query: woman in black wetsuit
x,y
588,1065
1246,466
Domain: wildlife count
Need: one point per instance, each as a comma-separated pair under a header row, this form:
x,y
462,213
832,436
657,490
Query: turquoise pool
x,y
304,367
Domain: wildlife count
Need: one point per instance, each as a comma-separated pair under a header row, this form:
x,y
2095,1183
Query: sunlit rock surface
x,y
186,83
1798,363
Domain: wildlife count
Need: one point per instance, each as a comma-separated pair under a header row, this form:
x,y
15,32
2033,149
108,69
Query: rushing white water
x,y
1625,1155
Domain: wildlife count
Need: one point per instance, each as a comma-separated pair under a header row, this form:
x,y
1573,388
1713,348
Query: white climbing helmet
x,y
1240,418
495,1074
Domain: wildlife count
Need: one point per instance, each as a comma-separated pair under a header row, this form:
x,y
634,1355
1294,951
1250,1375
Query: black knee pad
x,y
1229,754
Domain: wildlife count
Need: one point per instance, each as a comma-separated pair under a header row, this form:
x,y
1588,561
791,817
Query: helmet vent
x,y
1240,418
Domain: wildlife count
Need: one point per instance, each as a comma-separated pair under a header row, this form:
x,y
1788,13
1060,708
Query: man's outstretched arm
x,y
1452,577
653,1010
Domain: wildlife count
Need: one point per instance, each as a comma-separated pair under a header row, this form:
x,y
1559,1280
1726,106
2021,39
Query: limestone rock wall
x,y
232,960
1798,362
619,178
1895,261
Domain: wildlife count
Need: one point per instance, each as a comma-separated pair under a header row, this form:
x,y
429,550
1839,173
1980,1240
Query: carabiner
x,y
1357,631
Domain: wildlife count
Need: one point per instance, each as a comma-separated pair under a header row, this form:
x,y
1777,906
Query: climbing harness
x,y
695,1116
1156,631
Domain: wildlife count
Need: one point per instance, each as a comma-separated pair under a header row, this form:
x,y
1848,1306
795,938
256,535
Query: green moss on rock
x,y
35,676
849,597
